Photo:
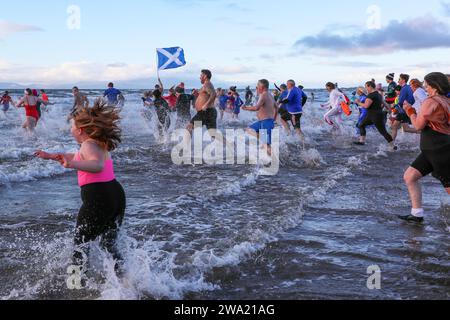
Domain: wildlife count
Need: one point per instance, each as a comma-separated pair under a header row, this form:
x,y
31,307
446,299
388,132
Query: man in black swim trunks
x,y
204,104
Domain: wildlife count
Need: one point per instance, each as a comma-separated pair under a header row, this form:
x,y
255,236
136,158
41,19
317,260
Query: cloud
x,y
420,33
446,7
263,42
231,70
9,28
76,71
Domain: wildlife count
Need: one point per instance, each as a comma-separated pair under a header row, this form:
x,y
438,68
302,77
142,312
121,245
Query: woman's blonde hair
x,y
361,91
416,83
100,123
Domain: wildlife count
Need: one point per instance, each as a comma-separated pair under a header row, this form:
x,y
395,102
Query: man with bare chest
x,y
204,104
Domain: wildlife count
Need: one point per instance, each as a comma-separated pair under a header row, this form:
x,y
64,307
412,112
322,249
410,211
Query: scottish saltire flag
x,y
170,58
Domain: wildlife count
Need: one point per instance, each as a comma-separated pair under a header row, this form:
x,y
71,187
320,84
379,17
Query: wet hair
x,y
100,123
330,85
111,85
371,84
264,83
207,73
405,77
438,81
415,83
157,94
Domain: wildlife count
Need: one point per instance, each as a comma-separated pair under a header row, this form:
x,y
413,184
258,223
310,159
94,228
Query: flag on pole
x,y
170,58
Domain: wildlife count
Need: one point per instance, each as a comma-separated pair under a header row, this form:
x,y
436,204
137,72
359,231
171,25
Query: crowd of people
x,y
417,107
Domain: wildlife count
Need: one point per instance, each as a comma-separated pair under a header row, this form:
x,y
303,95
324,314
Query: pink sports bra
x,y
107,175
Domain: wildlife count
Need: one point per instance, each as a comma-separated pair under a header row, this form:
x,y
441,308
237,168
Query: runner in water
x,y
304,95
80,100
104,202
248,96
171,99
374,105
183,107
30,103
420,95
204,104
5,102
238,103
401,118
285,117
113,96
433,121
266,113
333,116
293,104
390,94
223,103
362,96
162,111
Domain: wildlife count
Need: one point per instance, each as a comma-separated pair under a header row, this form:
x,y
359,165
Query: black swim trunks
x,y
208,118
286,116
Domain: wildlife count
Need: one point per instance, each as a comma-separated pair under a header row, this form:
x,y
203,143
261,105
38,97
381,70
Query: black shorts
x,y
435,162
403,118
208,118
286,116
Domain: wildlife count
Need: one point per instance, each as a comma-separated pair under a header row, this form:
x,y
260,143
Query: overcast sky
x,y
312,42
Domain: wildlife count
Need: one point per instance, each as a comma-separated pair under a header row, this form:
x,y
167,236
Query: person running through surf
x,y
266,113
113,96
6,101
30,103
374,116
204,104
333,116
293,104
80,100
104,201
433,122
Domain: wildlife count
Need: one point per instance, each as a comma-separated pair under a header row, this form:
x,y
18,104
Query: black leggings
x,y
100,216
377,120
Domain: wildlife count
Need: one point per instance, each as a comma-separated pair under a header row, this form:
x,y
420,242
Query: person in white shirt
x,y
420,95
333,116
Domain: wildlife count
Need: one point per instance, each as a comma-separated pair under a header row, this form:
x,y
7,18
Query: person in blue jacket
x,y
401,119
113,96
293,104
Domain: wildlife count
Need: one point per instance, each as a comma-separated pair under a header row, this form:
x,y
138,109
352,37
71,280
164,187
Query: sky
x,y
55,44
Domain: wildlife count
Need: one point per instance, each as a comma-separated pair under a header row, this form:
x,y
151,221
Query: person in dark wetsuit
x,y
374,105
183,107
248,96
162,110
433,121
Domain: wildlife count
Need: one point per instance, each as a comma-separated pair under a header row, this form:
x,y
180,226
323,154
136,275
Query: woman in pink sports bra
x,y
104,201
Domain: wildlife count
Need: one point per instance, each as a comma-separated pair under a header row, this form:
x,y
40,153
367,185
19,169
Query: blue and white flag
x,y
170,58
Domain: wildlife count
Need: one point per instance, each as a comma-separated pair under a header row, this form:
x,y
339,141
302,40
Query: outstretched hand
x,y
44,155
